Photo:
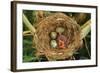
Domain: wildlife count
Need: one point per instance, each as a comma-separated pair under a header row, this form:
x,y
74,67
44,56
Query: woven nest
x,y
49,24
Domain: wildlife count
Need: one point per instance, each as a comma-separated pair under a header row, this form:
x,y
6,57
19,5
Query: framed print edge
x,y
96,35
14,36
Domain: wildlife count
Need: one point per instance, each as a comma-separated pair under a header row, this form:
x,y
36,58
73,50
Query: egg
x,y
53,43
60,30
53,35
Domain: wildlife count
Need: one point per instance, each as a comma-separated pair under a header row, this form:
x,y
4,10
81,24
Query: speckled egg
x,y
53,35
60,30
53,43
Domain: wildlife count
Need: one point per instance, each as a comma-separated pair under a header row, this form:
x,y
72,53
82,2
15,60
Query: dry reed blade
x,y
85,29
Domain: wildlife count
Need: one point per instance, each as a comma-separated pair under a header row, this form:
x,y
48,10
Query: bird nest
x,y
71,37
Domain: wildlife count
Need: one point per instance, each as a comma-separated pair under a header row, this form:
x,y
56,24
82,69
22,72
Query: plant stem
x,y
27,33
28,24
87,48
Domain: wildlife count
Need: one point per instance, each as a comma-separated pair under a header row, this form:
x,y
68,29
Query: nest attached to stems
x,y
49,24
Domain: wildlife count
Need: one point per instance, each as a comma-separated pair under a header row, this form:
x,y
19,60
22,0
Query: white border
x,y
21,65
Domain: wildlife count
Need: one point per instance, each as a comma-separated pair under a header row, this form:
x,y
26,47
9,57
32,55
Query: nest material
x,y
49,24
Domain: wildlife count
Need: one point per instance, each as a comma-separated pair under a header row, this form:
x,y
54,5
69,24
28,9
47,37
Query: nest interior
x,y
49,24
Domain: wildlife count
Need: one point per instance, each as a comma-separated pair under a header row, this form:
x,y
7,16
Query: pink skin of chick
x,y
61,41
